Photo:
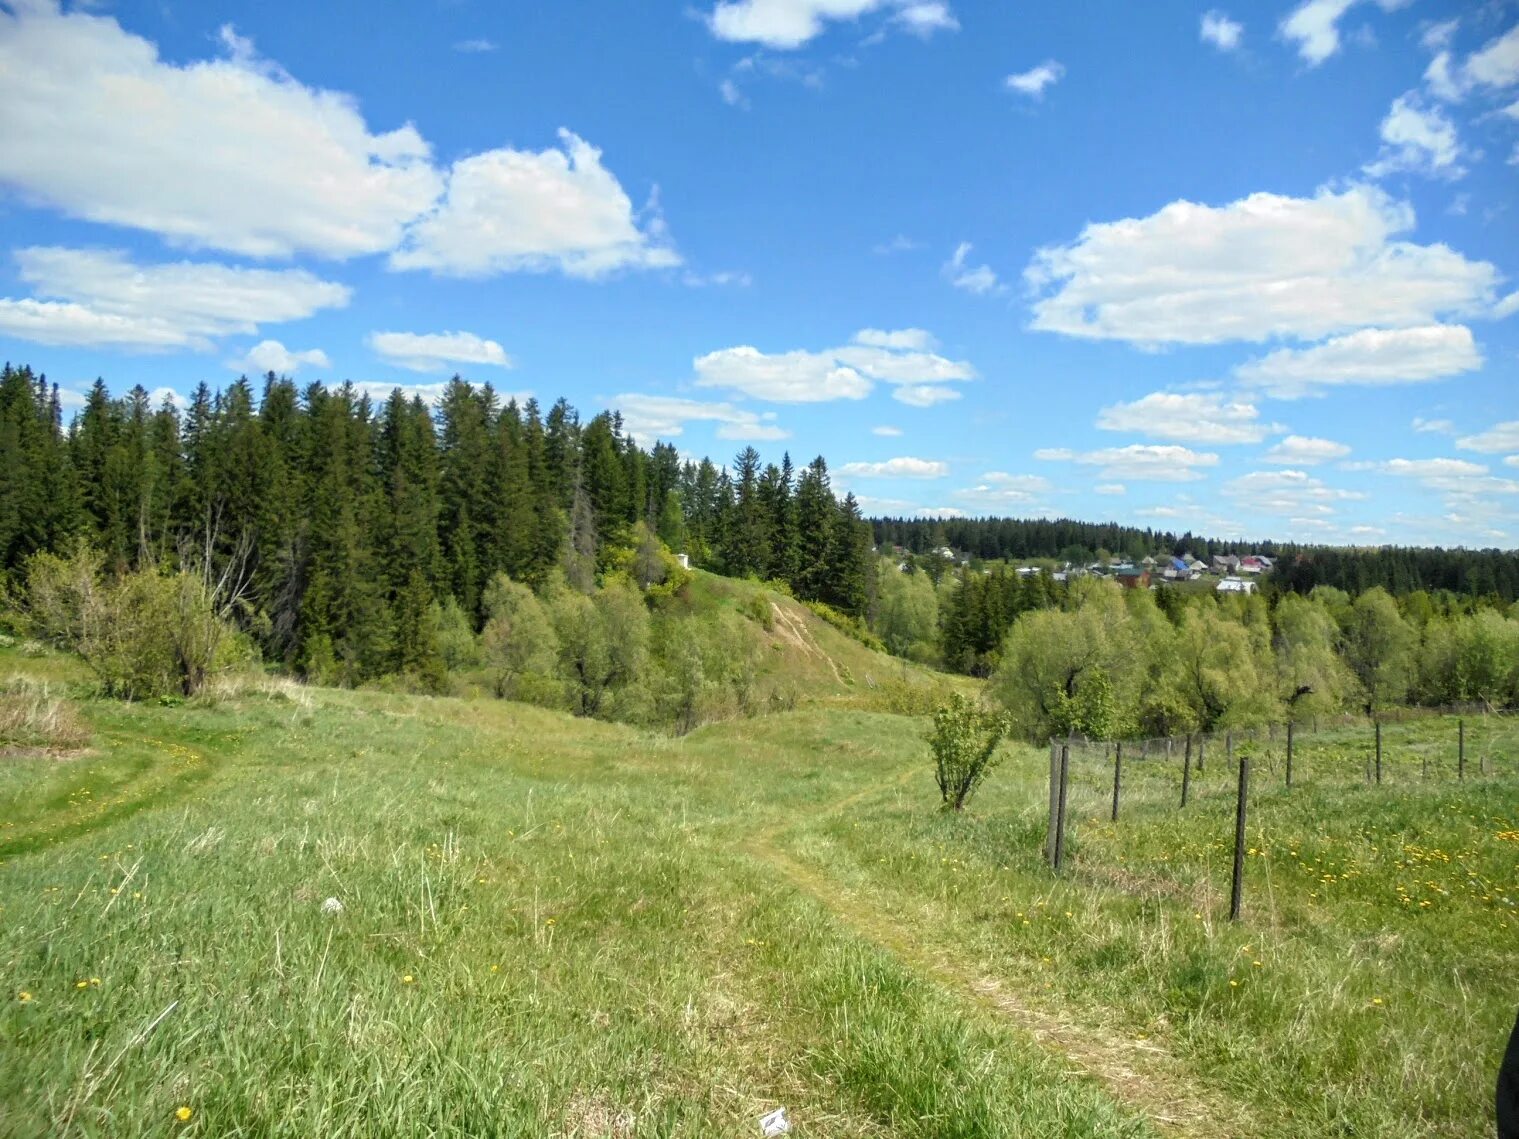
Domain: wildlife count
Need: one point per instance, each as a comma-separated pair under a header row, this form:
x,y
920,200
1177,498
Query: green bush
x,y
963,743
849,626
144,634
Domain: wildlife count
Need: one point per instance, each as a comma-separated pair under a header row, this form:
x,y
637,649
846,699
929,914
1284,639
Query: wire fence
x,y
1104,778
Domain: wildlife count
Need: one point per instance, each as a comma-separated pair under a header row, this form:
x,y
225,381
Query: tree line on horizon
x,y
1299,567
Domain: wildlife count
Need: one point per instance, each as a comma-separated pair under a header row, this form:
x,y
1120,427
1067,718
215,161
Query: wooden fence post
x,y
1049,835
1289,755
1117,775
1228,749
1237,888
1065,767
1186,770
1379,753
1202,741
1460,749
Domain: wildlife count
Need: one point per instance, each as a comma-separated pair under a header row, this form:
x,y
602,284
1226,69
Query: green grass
x,y
609,932
1369,988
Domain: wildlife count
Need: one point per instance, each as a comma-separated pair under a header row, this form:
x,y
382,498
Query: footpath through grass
x,y
549,927
1370,987
557,927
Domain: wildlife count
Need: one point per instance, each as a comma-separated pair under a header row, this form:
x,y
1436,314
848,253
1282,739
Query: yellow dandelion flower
x,y
183,1114
1257,964
1376,1000
408,979
23,996
1234,984
81,984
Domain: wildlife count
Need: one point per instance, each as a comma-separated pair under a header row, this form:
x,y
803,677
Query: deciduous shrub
x,y
963,743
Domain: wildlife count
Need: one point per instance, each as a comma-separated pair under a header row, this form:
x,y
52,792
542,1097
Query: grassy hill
x,y
805,659
560,927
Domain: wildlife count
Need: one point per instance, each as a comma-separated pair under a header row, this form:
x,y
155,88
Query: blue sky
x,y
1246,270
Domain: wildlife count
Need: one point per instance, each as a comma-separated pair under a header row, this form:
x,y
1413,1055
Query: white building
x,y
1235,585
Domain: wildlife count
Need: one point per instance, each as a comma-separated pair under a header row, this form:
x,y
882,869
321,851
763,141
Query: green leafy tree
x,y
1379,647
519,643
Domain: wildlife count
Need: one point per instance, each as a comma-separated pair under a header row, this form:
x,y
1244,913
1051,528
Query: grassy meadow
x,y
556,927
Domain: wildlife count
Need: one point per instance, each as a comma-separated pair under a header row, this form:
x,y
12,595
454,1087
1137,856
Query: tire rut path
x,y
1141,1075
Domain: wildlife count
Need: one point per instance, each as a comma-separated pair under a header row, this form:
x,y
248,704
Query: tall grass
x,y
34,716
559,927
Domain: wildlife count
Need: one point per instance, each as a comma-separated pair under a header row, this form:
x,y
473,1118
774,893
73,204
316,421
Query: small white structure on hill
x,y
1235,585
684,560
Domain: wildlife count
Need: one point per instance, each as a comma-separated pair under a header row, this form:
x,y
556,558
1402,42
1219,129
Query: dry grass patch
x,y
35,719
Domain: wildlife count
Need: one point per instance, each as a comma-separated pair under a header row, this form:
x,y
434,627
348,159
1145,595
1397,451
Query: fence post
x,y
1049,835
1379,753
1186,770
1237,888
1202,742
1065,767
1229,749
1460,749
1289,755
1117,775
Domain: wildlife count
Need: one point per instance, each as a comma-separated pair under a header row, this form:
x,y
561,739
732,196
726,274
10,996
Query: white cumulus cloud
x,y
1140,461
914,339
1033,82
1314,27
977,279
100,298
1261,267
924,395
650,417
899,358
1417,139
1202,417
1220,31
1372,356
514,210
786,24
272,356
229,153
234,153
905,467
437,351
1499,437
1306,451
1293,494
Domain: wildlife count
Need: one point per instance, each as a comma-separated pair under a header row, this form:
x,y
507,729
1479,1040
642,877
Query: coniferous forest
x,y
343,523
346,540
